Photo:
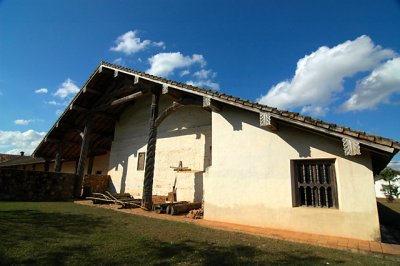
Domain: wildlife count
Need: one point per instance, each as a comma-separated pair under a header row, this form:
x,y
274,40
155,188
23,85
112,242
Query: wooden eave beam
x,y
67,142
78,108
68,126
128,98
92,91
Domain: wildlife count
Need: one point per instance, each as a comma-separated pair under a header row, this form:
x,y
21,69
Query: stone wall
x,y
95,183
35,185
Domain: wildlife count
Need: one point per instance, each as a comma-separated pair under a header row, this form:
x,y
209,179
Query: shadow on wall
x,y
120,163
302,141
389,220
198,187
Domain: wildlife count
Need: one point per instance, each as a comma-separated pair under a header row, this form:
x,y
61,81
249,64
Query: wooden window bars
x,y
315,183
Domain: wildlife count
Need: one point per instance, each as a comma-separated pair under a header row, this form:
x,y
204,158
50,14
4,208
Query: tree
x,y
390,190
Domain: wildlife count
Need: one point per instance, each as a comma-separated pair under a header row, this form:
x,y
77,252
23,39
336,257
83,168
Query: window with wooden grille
x,y
140,161
315,183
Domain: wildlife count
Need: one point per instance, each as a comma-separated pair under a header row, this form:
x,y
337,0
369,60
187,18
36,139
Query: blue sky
x,y
333,60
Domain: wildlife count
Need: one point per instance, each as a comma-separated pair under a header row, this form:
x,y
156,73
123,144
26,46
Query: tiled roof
x,y
22,160
6,157
279,114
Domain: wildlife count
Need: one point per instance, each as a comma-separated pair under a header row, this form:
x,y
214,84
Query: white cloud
x,y
160,44
59,112
55,103
164,64
204,74
184,73
376,87
320,75
118,61
204,84
23,122
15,141
42,91
129,43
66,89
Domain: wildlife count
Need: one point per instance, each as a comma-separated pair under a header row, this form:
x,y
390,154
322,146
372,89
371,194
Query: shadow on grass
x,y
390,224
35,237
204,253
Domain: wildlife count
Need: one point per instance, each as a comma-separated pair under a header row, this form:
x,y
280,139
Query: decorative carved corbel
x,y
266,121
351,147
209,104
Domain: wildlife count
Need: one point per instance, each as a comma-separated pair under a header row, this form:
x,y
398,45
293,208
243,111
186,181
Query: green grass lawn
x,y
68,234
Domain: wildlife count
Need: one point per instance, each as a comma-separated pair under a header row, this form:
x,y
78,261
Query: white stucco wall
x,y
183,136
250,179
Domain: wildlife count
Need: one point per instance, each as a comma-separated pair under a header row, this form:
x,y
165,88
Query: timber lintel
x,y
268,122
351,147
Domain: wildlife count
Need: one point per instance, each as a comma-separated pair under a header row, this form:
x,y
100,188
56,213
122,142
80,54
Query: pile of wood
x,y
195,214
124,199
176,208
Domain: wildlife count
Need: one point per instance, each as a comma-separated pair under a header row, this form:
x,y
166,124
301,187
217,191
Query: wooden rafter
x,y
128,98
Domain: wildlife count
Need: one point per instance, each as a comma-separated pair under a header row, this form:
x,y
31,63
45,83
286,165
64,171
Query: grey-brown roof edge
x,y
255,107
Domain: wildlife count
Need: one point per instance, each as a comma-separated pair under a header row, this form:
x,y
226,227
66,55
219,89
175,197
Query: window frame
x,y
296,197
141,164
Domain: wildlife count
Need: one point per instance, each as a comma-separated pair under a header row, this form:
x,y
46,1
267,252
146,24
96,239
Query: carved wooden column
x,y
82,157
151,153
57,163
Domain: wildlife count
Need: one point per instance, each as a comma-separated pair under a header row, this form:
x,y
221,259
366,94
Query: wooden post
x,y
57,163
82,157
91,159
46,165
151,153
